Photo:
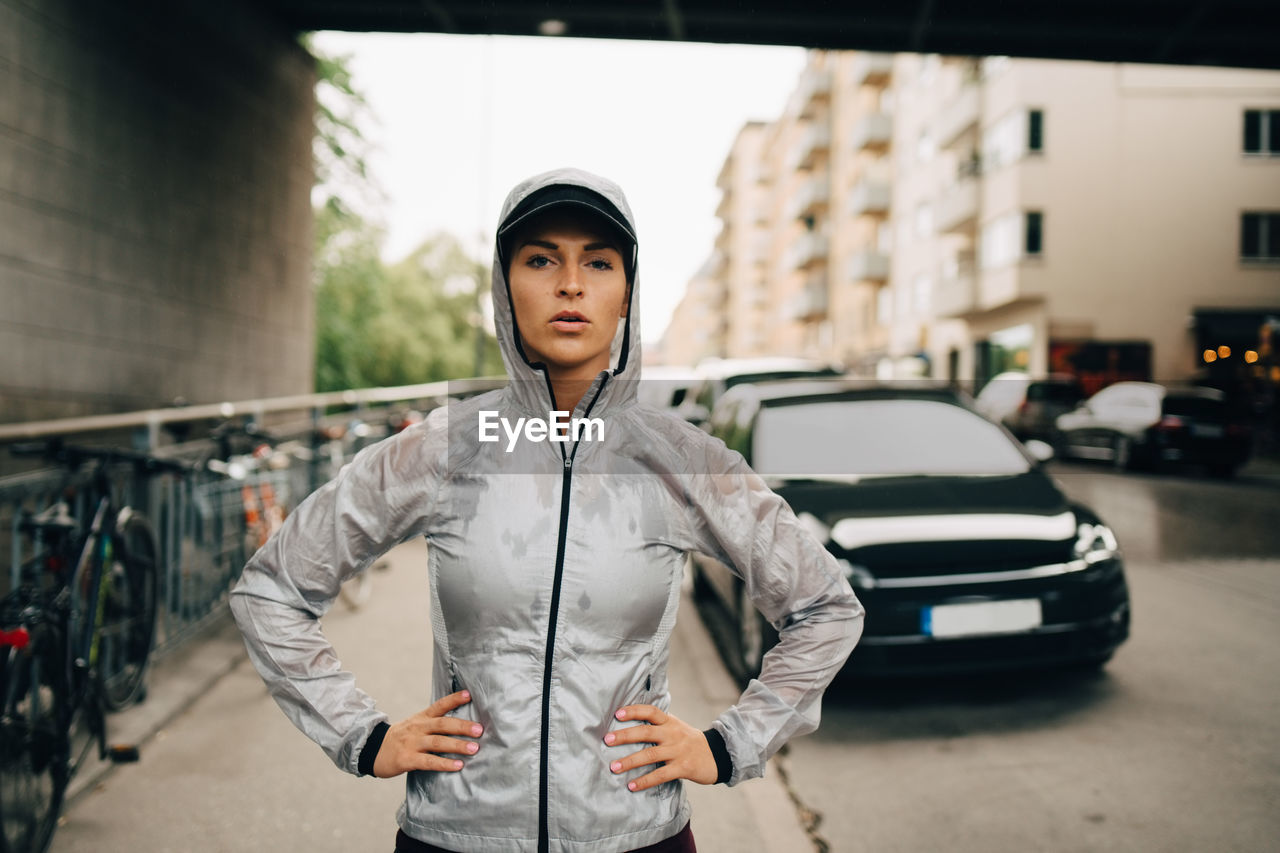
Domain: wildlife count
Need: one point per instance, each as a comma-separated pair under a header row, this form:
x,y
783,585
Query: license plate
x,y
1206,431
982,617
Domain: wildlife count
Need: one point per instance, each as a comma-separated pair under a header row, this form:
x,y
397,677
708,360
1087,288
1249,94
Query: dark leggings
x,y
681,842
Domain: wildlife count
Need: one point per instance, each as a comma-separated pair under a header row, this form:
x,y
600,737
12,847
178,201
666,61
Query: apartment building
x,y
699,323
956,217
1042,206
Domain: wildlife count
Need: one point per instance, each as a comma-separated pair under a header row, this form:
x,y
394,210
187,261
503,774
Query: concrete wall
x,y
155,178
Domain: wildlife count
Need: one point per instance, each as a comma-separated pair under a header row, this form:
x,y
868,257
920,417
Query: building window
x,y
1010,238
1034,243
1035,131
1260,236
924,220
923,286
1262,132
884,306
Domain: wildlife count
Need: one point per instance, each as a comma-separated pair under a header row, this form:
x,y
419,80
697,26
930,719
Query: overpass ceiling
x,y
1242,33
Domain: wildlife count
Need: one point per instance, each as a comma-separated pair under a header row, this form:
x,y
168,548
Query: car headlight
x,y
1095,543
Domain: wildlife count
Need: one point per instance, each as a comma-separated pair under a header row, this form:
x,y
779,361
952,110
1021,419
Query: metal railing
x,y
201,517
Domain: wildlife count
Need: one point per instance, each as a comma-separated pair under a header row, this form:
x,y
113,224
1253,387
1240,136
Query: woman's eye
x,y
537,261
601,264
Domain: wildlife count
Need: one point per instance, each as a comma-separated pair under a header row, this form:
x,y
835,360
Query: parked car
x,y
964,552
1132,424
1028,407
1042,402
666,386
718,375
1002,394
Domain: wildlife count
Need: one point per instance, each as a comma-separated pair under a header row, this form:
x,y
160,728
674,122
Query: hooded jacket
x,y
555,572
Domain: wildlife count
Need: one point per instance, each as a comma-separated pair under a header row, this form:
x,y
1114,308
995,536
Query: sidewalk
x,y
222,769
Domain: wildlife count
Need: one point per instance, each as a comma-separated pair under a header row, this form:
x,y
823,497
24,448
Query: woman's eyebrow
x,y
545,244
595,247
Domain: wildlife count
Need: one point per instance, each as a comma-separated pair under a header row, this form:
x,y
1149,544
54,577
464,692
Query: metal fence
x,y
209,520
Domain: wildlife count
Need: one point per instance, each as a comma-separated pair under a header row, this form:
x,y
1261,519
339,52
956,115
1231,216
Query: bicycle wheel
x,y
33,753
128,614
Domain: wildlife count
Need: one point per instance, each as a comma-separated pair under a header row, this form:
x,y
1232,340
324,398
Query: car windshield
x,y
881,438
1054,392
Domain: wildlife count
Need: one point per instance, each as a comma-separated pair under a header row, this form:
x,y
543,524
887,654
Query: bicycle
x,y
76,634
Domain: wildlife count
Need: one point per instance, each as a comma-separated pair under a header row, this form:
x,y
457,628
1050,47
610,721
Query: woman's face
x,y
568,288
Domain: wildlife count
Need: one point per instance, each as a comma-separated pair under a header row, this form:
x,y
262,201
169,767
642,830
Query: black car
x,y
1142,424
963,551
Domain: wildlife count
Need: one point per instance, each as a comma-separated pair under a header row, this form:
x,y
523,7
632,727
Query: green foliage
x,y
379,325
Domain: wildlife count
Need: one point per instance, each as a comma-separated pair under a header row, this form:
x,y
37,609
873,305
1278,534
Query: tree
x,y
378,325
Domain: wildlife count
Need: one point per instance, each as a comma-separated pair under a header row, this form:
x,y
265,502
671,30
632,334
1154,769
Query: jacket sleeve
x,y
795,583
384,496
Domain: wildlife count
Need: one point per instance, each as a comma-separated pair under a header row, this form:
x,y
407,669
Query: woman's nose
x,y
571,281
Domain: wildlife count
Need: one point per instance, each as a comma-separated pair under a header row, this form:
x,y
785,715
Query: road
x,y
1175,746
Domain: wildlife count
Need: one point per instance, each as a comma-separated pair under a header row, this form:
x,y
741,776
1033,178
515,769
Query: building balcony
x,y
956,296
957,208
872,69
810,199
813,146
724,180
870,197
725,206
809,249
760,251
811,303
958,118
813,90
869,265
722,238
873,132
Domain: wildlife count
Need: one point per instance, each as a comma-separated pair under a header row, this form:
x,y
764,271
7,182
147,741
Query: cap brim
x,y
566,195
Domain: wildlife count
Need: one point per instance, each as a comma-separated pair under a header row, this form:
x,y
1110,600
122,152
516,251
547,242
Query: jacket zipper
x,y
544,834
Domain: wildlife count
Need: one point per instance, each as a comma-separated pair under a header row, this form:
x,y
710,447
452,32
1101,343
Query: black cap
x,y
564,195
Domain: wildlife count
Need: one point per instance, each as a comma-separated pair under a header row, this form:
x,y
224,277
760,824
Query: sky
x,y
459,120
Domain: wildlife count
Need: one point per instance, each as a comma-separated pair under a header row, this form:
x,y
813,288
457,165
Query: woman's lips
x,y
570,323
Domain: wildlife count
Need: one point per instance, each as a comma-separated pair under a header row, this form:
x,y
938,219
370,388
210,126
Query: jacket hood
x,y
530,386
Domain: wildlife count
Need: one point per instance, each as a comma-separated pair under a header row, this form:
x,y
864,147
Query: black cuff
x,y
370,751
724,764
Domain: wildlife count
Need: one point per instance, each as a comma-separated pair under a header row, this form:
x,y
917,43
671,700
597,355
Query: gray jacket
x,y
554,572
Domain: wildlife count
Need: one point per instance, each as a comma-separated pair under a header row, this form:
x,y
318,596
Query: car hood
x,y
940,525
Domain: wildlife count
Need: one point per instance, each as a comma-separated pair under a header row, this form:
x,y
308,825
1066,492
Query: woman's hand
x,y
421,742
681,749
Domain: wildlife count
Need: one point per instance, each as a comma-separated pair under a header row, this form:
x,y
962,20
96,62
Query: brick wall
x,y
155,178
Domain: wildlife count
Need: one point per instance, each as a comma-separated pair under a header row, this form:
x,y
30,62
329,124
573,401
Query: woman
x,y
554,570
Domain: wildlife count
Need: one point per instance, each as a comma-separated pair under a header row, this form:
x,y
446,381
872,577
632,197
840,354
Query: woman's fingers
x,y
450,726
652,755
647,713
634,734
680,749
428,740
445,704
665,773
448,745
428,761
